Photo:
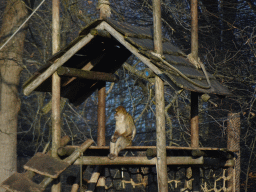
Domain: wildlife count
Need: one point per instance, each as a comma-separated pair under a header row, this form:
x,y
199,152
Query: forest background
x,y
227,47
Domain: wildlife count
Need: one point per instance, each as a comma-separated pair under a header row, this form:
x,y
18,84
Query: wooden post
x,y
104,12
194,122
194,29
194,125
56,84
101,138
233,144
161,164
101,141
104,8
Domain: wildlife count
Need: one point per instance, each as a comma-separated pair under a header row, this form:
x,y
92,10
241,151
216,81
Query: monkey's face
x,y
120,112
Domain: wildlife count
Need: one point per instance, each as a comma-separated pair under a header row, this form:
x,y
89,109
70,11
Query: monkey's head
x,y
120,111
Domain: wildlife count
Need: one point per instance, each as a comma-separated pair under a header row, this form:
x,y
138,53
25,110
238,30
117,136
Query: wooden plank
x,y
46,165
46,181
52,167
18,182
59,62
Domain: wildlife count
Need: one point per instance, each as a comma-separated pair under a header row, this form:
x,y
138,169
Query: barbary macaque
x,y
124,132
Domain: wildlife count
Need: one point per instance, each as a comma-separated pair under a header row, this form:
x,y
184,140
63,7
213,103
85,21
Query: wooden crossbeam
x,y
138,148
93,160
144,161
93,75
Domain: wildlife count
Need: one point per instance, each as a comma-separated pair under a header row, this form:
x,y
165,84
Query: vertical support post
x,y
194,126
56,84
56,127
104,8
194,121
194,29
101,140
161,164
233,144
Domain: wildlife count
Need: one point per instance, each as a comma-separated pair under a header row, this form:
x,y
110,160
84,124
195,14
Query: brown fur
x,y
124,132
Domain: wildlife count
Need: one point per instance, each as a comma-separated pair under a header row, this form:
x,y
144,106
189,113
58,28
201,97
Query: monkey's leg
x,y
112,147
121,144
112,151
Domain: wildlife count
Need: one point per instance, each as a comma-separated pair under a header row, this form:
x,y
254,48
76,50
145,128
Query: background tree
x,y
10,69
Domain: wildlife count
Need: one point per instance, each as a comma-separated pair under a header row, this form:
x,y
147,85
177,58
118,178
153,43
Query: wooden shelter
x,y
103,46
92,58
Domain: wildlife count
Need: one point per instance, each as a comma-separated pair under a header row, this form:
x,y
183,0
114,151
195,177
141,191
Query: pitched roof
x,y
103,54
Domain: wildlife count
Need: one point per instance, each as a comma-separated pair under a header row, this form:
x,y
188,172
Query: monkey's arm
x,y
117,134
115,137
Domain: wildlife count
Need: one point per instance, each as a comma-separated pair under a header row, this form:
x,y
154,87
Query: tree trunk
x,y
10,68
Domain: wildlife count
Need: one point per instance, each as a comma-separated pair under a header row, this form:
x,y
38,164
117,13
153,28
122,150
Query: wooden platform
x,y
178,156
139,148
18,182
151,150
46,165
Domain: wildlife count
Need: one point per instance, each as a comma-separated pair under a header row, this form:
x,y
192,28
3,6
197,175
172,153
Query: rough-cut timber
x,y
103,54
